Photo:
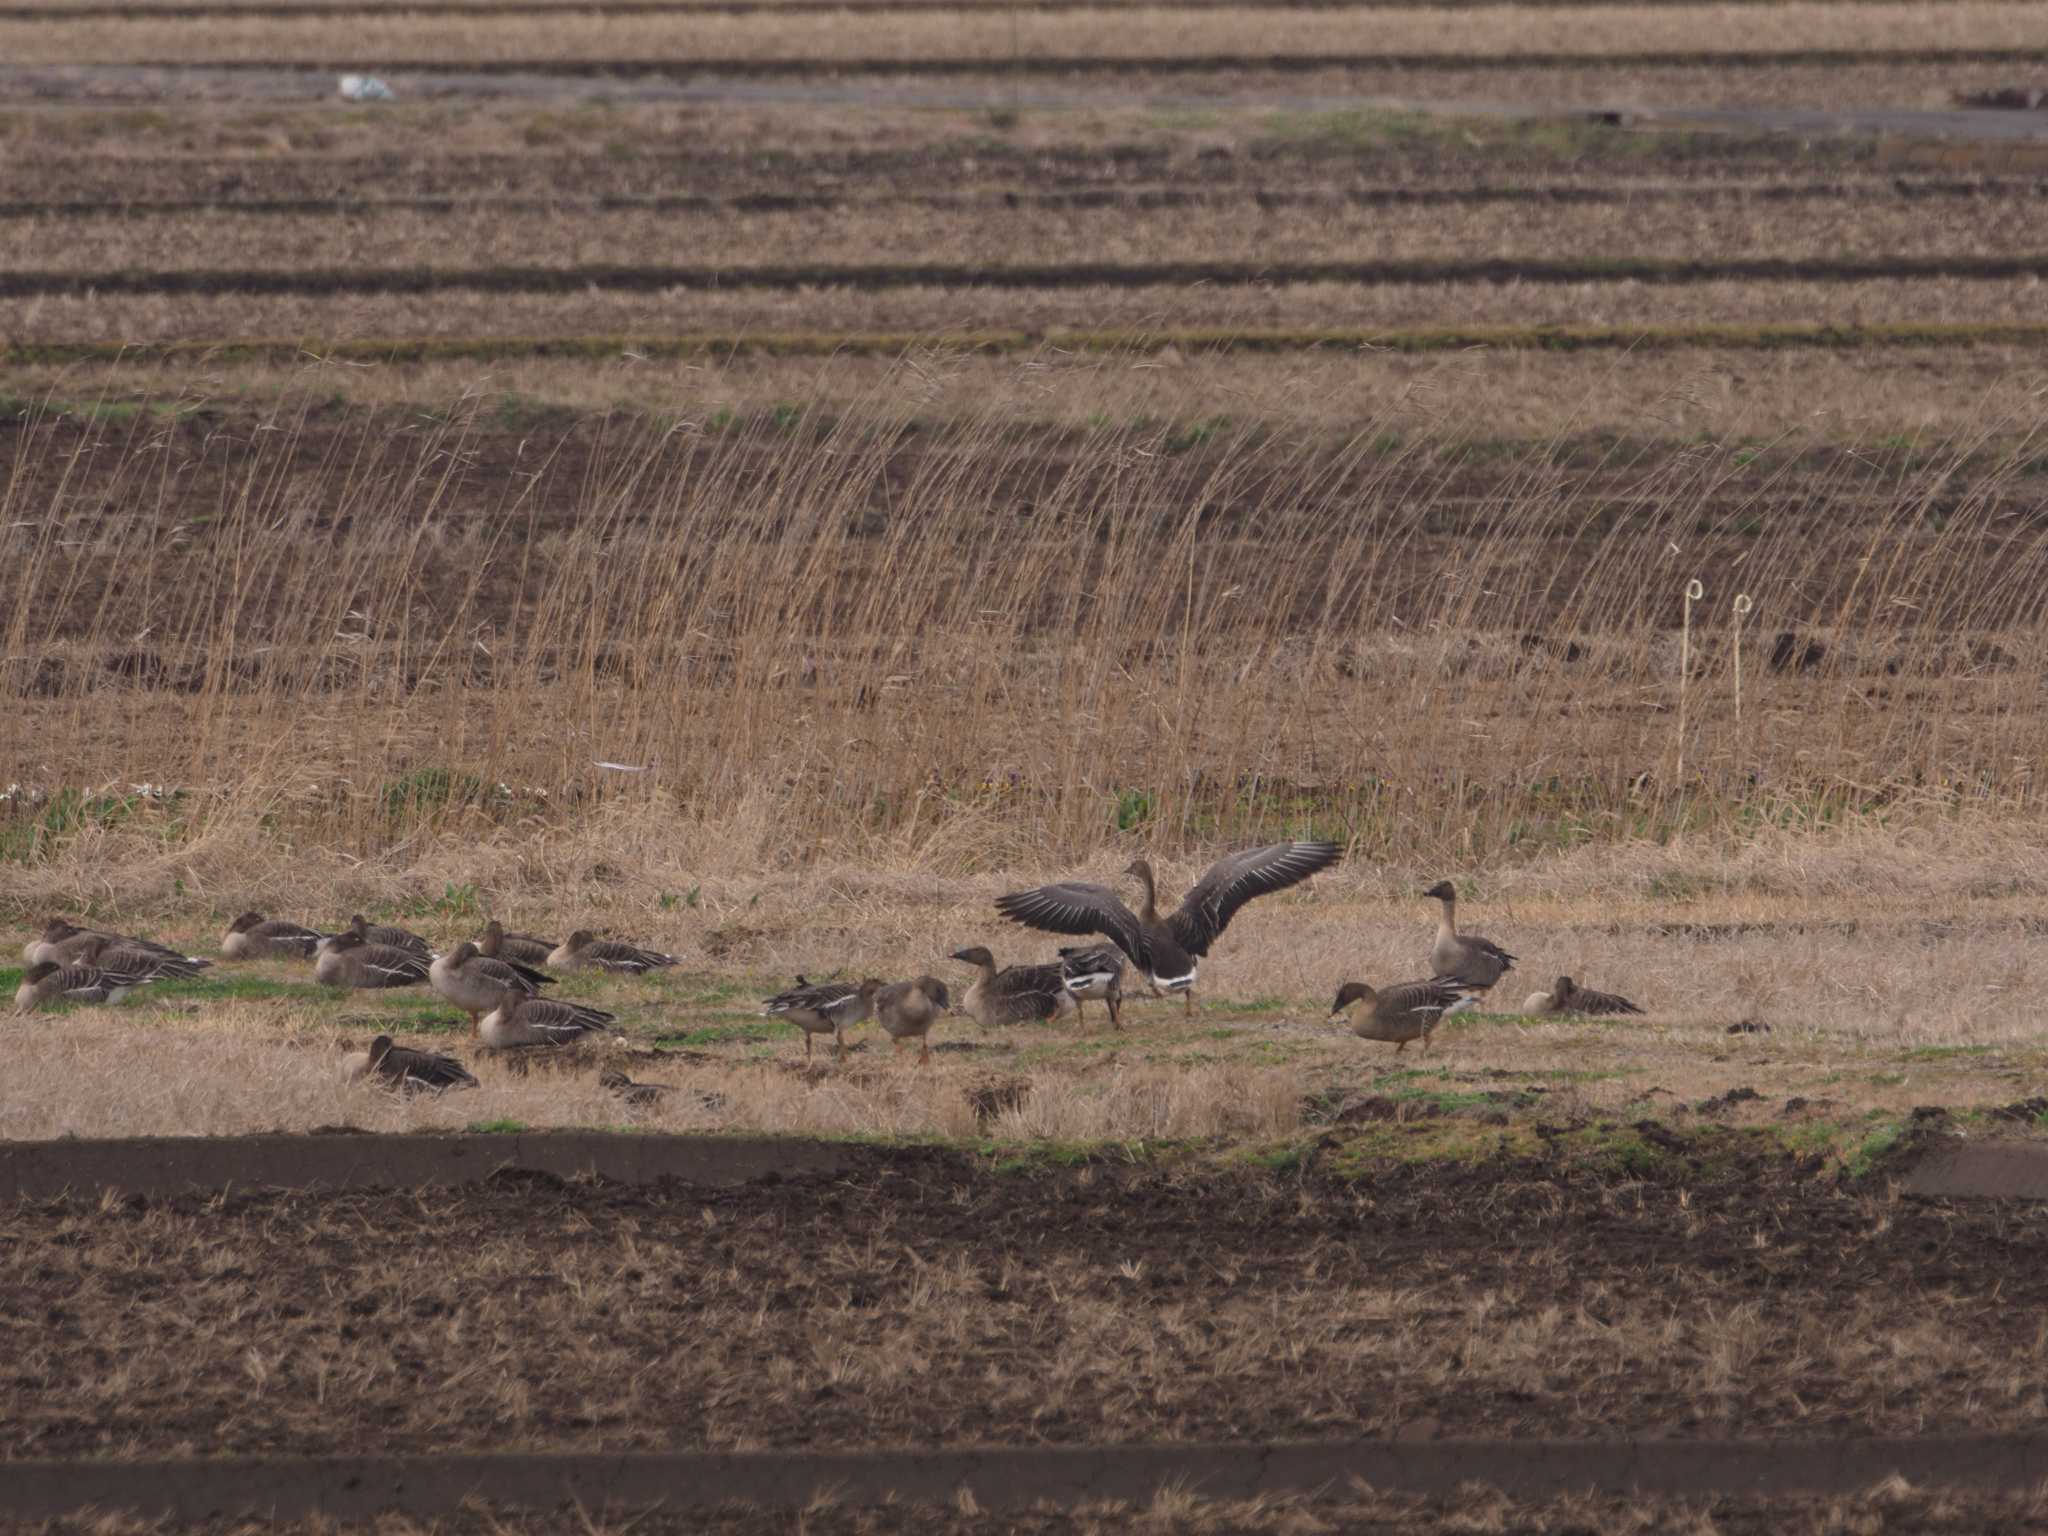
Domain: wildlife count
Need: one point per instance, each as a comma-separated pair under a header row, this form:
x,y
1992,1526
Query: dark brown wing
x,y
1432,996
627,957
510,973
425,1069
817,997
1582,1001
1029,990
1233,881
1073,906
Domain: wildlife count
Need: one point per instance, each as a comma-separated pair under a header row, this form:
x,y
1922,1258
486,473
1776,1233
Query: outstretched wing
x,y
1074,907
1233,881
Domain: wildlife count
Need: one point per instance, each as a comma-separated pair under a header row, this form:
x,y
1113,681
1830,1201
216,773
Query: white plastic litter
x,y
365,88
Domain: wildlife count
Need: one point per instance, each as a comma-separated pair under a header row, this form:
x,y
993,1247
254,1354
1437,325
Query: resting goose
x,y
107,953
520,1021
252,936
1408,1010
905,1011
586,949
64,941
1094,970
1567,996
525,948
350,960
390,937
1016,995
476,984
1468,958
639,1095
1168,949
408,1070
825,1008
47,982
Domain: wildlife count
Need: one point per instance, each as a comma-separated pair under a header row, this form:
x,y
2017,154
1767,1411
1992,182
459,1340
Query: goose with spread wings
x,y
1168,950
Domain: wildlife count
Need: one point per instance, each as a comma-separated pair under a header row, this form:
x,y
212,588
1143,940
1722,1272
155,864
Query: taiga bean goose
x,y
350,960
825,1008
475,983
390,937
252,936
1167,949
1466,957
1015,995
412,1071
520,1021
47,982
1408,1010
525,948
64,941
585,949
1567,996
905,1010
123,957
1094,970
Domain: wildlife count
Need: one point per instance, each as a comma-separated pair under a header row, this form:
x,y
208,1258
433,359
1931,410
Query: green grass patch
x,y
1947,1052
495,1127
751,1032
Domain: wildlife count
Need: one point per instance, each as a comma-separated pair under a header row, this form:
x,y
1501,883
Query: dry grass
x,y
889,234
1491,31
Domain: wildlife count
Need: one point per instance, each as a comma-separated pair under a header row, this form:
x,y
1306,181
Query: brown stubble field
x,y
877,636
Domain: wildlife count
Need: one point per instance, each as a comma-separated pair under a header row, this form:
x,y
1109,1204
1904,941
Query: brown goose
x,y
1477,962
1567,996
252,936
476,984
520,1021
350,960
825,1008
1167,950
1094,970
525,948
639,1095
1408,1010
48,982
125,956
408,1070
389,937
585,949
905,1011
1014,995
64,941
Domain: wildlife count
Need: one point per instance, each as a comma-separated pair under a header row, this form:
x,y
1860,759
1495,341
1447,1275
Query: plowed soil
x,y
926,1299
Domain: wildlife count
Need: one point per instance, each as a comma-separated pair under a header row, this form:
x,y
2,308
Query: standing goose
x,y
389,937
1168,949
1467,957
64,941
1094,970
350,960
407,1069
586,949
526,948
1567,996
520,1021
476,984
905,1011
1015,995
1408,1010
47,982
252,936
825,1008
123,956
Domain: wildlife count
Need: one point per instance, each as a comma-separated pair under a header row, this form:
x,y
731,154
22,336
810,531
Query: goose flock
x,y
499,978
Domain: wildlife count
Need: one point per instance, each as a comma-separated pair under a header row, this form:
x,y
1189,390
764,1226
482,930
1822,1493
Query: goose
x,y
639,1095
526,948
825,1008
252,936
520,1021
389,937
586,949
475,983
350,960
1015,995
46,982
406,1069
1168,949
1477,962
1567,996
1408,1010
107,953
905,1011
1094,970
64,941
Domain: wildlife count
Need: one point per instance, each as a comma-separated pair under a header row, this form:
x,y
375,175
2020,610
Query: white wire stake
x,y
1694,591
